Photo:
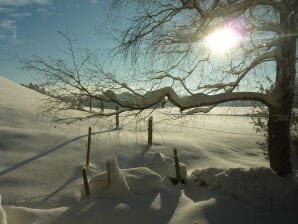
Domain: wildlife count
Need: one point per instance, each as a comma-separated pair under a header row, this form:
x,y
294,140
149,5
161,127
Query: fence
x,y
85,183
150,130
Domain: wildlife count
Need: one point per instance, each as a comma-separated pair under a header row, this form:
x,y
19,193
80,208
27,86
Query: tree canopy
x,y
196,53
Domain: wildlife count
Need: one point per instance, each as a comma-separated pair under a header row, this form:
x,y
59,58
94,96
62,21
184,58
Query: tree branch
x,y
196,100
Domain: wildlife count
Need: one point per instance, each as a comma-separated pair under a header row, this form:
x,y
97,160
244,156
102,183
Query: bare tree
x,y
166,42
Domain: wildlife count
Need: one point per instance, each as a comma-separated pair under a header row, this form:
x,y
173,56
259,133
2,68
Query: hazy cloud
x,y
17,42
44,11
23,2
3,36
20,14
10,25
94,1
6,10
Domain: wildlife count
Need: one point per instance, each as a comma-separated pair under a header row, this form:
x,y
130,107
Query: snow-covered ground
x,y
41,164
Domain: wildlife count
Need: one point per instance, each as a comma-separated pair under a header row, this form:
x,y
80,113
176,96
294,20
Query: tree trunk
x,y
279,143
279,146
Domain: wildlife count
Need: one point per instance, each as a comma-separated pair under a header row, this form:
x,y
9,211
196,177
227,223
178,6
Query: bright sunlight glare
x,y
223,40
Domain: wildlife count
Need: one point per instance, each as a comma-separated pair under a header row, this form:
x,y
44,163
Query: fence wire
x,y
207,129
32,198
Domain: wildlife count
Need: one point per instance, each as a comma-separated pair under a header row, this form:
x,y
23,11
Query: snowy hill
x,y
17,104
41,164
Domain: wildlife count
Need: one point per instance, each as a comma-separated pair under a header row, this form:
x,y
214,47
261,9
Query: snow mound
x,y
118,185
260,187
110,184
2,214
139,181
156,161
159,158
171,175
23,215
172,171
142,180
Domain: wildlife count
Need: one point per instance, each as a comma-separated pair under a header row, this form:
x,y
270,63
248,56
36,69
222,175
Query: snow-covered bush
x,y
260,121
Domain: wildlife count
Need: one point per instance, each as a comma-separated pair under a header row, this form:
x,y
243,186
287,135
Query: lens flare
x,y
223,40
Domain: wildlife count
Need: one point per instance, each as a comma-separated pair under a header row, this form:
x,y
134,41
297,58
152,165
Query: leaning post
x,y
88,147
150,130
117,118
86,183
177,167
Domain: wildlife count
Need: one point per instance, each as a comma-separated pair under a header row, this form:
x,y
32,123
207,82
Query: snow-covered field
x,y
41,164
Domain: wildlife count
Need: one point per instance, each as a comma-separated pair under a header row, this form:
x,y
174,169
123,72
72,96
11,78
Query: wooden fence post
x,y
90,103
117,118
88,147
177,167
150,129
108,171
101,106
86,183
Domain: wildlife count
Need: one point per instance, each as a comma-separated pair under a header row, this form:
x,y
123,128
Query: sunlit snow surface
x,y
41,163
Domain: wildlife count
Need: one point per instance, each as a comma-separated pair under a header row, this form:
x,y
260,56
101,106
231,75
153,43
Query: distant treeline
x,y
36,87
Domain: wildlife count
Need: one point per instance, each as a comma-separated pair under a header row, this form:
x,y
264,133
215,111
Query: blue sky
x,y
29,27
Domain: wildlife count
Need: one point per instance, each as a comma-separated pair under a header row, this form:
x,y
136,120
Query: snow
x,y
195,100
172,171
171,176
23,215
117,186
2,213
140,180
259,187
41,165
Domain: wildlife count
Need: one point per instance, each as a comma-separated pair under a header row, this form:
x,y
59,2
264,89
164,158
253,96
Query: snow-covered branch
x,y
196,100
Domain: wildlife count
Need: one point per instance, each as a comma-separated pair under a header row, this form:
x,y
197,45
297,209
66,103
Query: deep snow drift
x,y
41,164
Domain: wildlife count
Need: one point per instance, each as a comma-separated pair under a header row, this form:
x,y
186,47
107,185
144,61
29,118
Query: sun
x,y
223,40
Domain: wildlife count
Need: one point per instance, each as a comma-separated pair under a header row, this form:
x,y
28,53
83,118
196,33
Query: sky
x,y
29,27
